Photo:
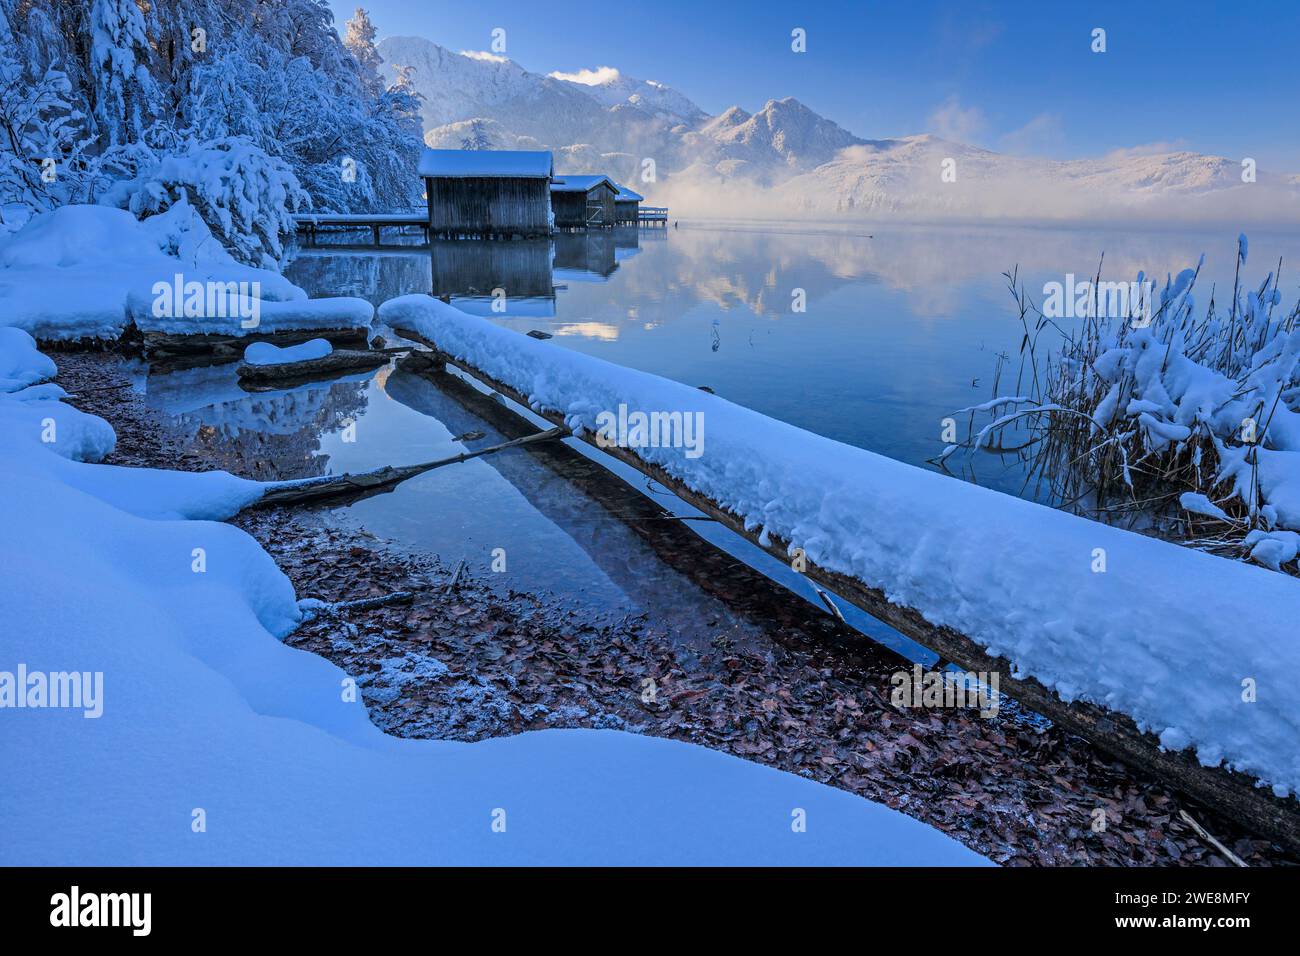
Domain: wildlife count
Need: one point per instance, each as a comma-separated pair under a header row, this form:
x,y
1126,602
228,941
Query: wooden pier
x,y
653,216
311,224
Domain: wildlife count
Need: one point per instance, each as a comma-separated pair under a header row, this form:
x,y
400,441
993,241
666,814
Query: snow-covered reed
x,y
1180,418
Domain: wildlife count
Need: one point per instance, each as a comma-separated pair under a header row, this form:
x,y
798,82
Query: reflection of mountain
x,y
602,122
265,435
741,268
738,266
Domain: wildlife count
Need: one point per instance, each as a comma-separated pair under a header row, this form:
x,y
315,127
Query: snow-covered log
x,y
1144,647
338,362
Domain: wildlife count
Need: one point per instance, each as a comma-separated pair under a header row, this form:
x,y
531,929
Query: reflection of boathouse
x,y
627,242
585,256
476,268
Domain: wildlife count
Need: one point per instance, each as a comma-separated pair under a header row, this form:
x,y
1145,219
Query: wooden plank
x,y
1233,795
278,494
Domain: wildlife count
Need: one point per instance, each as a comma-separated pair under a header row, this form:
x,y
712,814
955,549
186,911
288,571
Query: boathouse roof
x,y
626,195
503,163
580,184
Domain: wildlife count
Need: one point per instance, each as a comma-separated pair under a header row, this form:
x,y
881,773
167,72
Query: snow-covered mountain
x,y
786,159
610,87
531,109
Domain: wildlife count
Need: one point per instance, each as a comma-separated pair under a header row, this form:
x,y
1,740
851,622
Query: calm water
x,y
900,330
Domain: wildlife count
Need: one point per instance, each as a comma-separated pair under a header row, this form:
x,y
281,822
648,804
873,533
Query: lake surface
x,y
900,329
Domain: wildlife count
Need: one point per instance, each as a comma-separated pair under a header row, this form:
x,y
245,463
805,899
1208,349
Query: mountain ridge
x,y
787,158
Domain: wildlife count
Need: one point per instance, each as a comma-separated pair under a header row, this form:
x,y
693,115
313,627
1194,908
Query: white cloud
x,y
484,55
596,77
1042,134
950,121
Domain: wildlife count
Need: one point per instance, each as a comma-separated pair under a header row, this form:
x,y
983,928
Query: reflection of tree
x,y
375,277
277,436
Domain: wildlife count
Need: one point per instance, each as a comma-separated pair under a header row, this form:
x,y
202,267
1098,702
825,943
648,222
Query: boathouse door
x,y
596,206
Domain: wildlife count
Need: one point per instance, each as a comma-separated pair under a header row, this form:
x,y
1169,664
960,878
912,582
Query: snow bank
x,y
86,271
1165,634
265,353
242,315
21,364
217,744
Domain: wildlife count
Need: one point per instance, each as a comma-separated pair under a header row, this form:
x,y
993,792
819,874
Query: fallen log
x,y
308,490
340,361
1233,795
230,348
337,608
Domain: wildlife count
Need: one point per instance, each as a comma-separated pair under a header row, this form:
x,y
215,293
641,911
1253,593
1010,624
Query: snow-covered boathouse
x,y
487,193
627,205
583,202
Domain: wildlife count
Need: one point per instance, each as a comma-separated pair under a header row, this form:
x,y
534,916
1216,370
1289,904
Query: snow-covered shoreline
x,y
208,718
92,273
1175,638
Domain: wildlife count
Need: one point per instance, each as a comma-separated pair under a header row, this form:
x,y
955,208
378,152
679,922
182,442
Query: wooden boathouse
x,y
627,206
583,202
491,194
495,194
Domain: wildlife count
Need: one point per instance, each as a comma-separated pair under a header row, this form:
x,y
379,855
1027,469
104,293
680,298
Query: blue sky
x,y
1012,76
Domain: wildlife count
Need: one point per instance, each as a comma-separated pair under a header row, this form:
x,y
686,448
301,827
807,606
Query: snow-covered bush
x,y
246,197
1189,419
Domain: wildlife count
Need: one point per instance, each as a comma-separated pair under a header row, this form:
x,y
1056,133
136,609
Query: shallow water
x,y
546,520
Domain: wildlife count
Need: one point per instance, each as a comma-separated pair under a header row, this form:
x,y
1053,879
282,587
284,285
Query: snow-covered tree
x,y
38,130
360,41
124,91
117,86
476,138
